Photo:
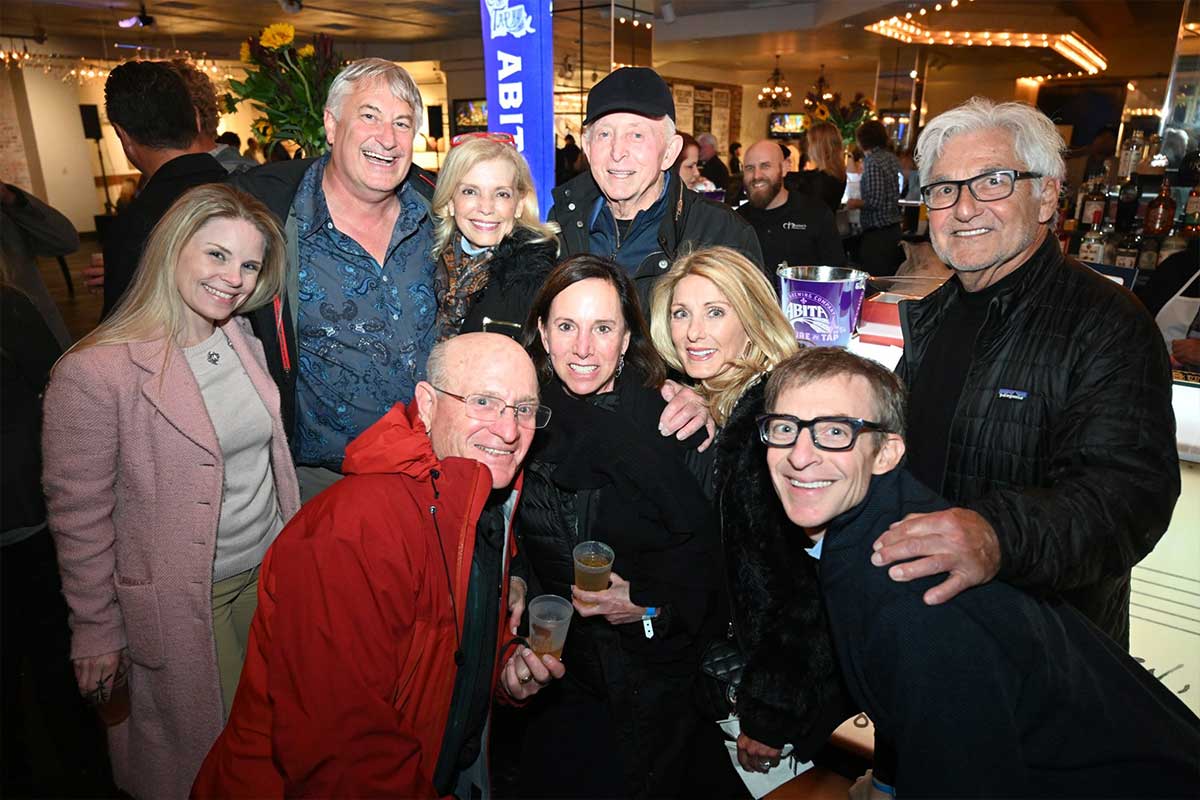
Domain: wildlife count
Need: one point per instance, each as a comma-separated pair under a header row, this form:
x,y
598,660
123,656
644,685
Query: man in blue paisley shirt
x,y
352,332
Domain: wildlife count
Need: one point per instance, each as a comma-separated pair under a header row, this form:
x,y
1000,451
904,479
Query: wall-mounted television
x,y
469,116
785,126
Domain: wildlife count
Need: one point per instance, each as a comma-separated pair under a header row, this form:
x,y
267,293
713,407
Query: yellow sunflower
x,y
244,53
822,113
278,35
263,129
307,51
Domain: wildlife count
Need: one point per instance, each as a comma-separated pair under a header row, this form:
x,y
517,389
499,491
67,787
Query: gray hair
x,y
436,370
814,364
396,78
1035,139
708,139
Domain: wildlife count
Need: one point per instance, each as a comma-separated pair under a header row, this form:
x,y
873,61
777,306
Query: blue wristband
x,y
883,787
651,612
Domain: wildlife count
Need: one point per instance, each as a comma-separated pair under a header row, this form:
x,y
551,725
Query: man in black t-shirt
x,y
792,228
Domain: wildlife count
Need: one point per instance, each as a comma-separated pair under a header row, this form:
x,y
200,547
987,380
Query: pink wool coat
x,y
133,477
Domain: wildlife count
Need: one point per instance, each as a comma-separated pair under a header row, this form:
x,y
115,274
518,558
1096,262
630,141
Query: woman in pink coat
x,y
167,475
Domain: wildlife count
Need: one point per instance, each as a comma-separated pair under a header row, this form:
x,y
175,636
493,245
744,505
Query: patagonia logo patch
x,y
1012,394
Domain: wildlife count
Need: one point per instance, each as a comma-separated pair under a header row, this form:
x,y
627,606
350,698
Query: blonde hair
x,y
825,149
463,159
152,307
771,338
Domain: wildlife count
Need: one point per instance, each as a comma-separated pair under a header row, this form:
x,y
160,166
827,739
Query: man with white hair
x,y
355,326
711,165
1040,391
631,207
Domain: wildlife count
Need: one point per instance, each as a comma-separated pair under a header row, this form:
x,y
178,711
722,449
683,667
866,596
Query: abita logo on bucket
x,y
812,313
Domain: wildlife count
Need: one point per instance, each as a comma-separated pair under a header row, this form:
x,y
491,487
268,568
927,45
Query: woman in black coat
x,y
493,252
621,723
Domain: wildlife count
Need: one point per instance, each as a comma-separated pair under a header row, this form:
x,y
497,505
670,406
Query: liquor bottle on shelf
x,y
1111,238
1148,253
1191,214
1127,202
1171,245
1127,249
1160,213
1095,200
1092,246
1131,154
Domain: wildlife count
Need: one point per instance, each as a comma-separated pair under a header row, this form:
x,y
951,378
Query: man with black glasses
x,y
993,694
1040,391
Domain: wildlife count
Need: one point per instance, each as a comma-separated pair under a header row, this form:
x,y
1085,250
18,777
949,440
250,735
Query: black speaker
x,y
435,122
91,122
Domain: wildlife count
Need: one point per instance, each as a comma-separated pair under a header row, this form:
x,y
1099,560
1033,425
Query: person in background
x,y
715,317
687,166
793,228
150,108
1040,391
253,151
38,682
600,471
711,166
824,173
29,228
388,612
1172,295
879,246
566,159
735,158
167,476
204,100
345,351
996,693
489,238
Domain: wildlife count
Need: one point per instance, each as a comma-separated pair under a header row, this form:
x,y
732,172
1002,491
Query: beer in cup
x,y
593,565
549,620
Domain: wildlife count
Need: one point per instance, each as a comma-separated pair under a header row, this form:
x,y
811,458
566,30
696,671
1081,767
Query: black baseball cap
x,y
638,90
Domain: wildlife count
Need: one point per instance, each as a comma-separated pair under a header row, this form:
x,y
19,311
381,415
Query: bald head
x,y
485,367
762,174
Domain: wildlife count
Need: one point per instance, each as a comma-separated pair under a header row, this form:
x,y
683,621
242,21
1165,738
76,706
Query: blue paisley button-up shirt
x,y
364,331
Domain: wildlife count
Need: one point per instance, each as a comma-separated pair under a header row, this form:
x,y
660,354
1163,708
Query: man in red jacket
x,y
379,636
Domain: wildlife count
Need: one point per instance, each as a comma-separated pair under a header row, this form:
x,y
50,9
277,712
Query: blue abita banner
x,y
518,57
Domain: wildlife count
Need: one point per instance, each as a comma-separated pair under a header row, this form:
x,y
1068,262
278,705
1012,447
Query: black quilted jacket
x,y
1064,436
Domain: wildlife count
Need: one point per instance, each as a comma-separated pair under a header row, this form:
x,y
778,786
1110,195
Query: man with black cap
x,y
630,207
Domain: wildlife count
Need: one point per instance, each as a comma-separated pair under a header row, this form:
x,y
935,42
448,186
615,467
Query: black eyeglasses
x,y
989,187
486,408
828,433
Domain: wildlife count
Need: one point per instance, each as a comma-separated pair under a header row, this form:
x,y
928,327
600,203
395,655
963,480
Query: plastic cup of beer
x,y
593,565
549,620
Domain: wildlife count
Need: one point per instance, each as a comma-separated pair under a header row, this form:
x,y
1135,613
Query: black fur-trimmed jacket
x,y
791,689
516,271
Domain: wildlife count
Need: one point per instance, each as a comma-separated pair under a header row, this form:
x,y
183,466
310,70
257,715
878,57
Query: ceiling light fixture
x,y
775,93
138,20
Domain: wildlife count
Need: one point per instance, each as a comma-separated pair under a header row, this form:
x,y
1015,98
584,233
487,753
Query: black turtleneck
x,y
939,382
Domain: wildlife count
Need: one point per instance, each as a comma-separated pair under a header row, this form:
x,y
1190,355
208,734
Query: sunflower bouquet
x,y
287,85
846,118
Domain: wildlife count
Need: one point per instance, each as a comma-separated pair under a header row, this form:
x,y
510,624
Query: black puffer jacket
x,y
691,222
600,471
1064,436
791,690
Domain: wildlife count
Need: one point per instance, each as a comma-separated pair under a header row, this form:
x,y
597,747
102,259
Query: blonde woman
x,y
492,249
167,475
824,174
715,317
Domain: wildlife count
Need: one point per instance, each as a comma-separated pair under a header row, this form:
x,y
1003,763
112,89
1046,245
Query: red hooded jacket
x,y
349,667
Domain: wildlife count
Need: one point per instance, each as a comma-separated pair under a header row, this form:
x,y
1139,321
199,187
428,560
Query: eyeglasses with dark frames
x,y
486,408
828,433
996,184
495,136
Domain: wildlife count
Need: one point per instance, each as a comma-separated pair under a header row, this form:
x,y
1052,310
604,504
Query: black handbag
x,y
721,666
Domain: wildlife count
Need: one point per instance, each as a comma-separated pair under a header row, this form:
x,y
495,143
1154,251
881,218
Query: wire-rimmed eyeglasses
x,y
486,408
996,184
828,433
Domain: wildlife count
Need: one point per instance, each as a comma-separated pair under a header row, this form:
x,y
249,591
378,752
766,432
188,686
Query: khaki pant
x,y
234,600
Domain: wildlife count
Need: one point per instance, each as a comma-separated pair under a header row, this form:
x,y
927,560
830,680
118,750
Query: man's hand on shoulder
x,y
957,541
686,413
525,674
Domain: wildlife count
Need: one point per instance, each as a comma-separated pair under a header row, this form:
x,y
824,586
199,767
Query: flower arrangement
x,y
288,85
828,108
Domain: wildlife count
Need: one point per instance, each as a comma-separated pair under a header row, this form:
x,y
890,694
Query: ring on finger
x,y
526,678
